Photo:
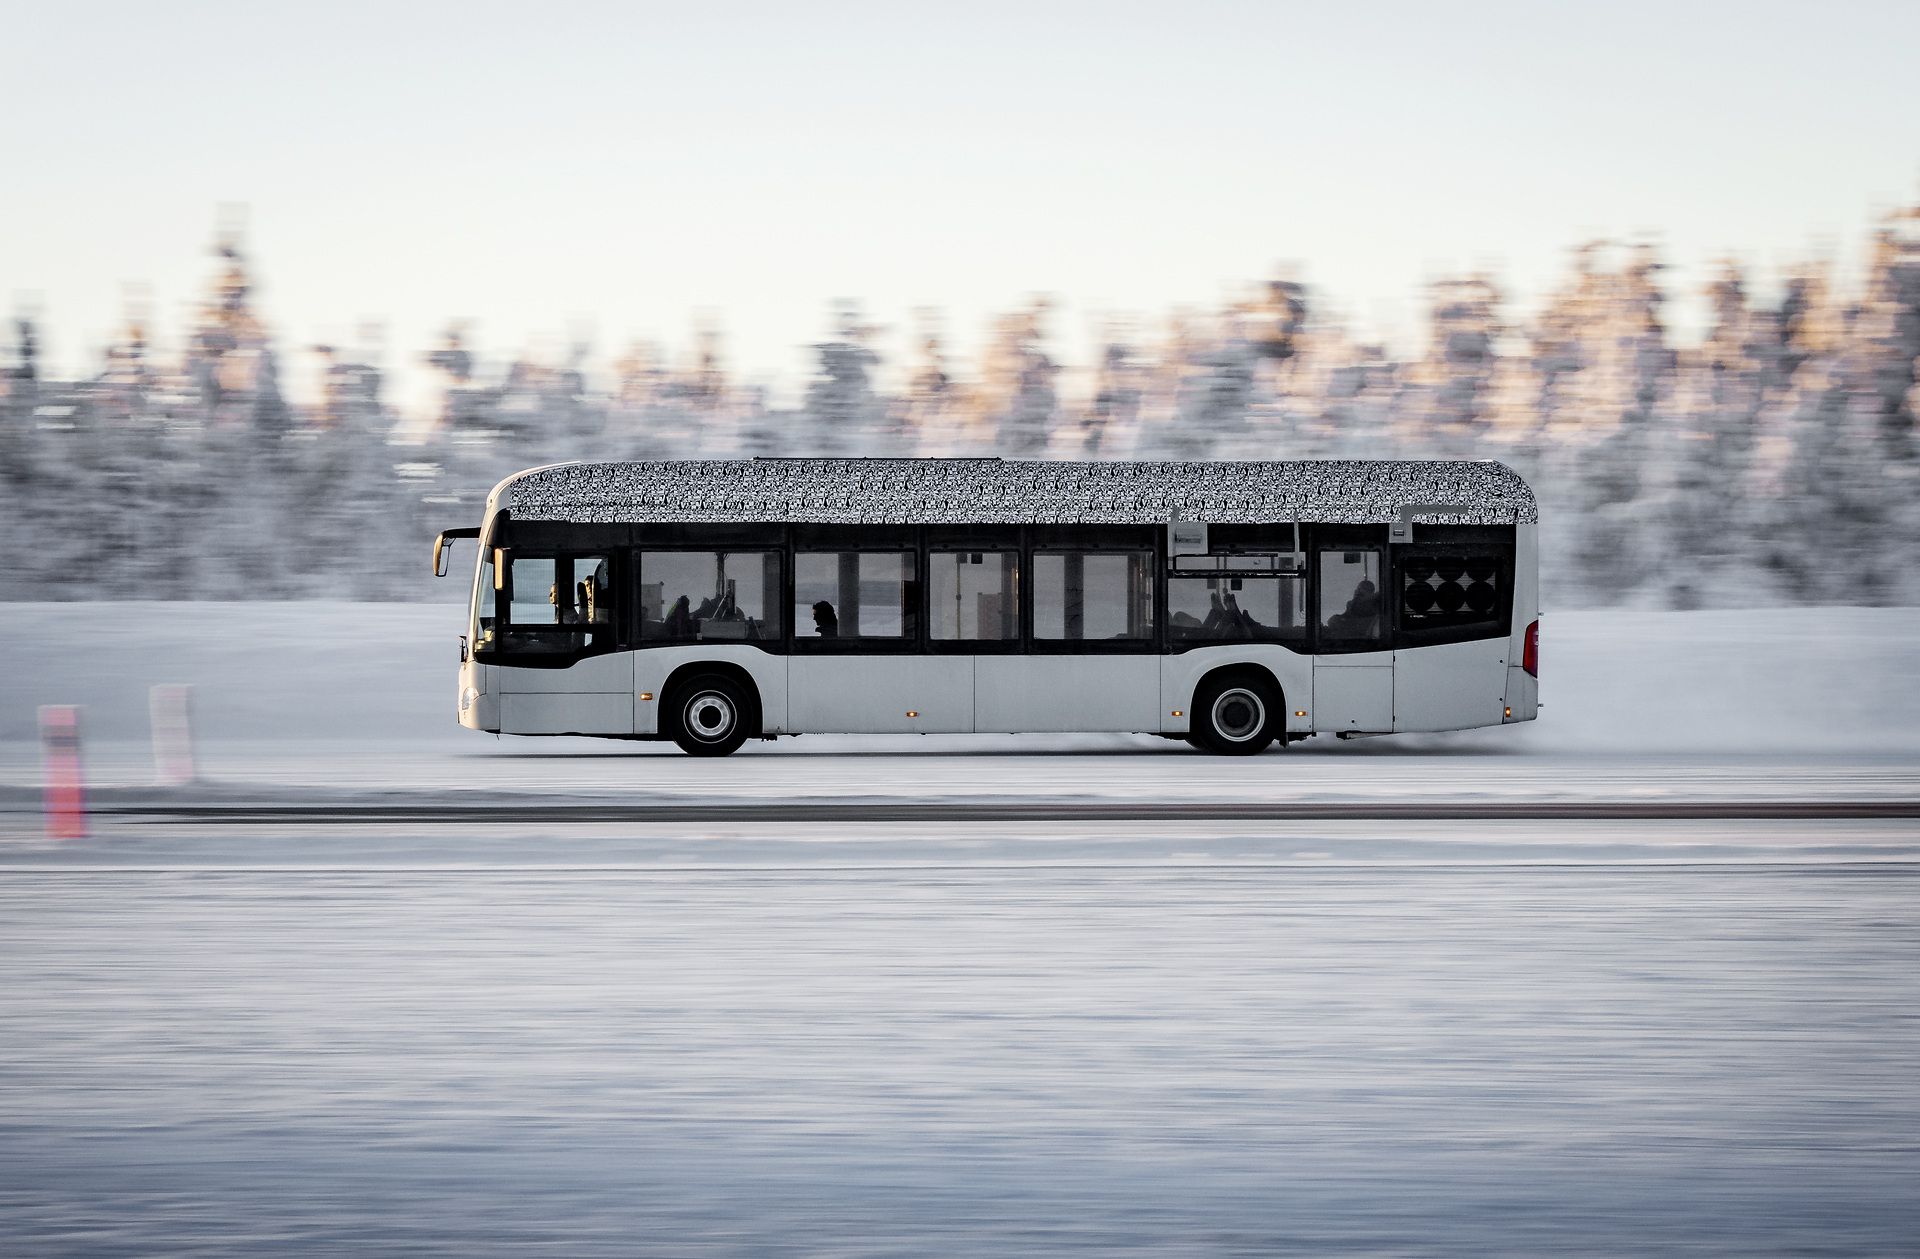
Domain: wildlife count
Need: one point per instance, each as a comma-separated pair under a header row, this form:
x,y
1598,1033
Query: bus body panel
x,y
1180,674
880,694
1454,686
591,696
1523,694
566,712
1523,690
1064,692
1353,693
653,666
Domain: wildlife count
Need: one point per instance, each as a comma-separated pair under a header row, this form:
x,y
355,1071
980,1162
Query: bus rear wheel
x,y
709,716
1236,716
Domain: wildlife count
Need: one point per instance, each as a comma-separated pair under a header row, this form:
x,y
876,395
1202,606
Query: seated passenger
x,y
1215,626
1238,623
679,622
706,608
1357,621
826,622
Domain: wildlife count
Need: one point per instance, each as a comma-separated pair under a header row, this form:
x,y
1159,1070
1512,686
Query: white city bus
x,y
1232,605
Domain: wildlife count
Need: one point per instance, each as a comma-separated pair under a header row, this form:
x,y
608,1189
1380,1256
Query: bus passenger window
x,y
1083,598
709,596
975,595
553,600
1223,608
849,594
1351,606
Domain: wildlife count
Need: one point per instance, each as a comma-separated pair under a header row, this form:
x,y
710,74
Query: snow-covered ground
x,y
254,1029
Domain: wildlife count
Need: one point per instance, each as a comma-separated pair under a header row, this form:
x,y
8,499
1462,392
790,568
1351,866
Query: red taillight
x,y
1530,658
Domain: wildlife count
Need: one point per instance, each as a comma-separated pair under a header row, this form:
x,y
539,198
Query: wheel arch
x,y
1240,669
669,690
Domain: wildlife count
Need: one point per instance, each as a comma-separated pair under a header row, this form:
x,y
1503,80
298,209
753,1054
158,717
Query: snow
x,y
231,1035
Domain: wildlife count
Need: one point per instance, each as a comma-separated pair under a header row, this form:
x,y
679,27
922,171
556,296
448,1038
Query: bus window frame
x,y
872,645
778,645
1151,644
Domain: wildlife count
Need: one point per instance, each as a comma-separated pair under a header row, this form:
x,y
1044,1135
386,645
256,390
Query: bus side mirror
x,y
440,542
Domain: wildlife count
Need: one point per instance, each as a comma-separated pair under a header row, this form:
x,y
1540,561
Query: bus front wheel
x,y
709,716
1236,715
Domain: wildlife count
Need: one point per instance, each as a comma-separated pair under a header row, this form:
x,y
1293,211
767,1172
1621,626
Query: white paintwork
x,y
1046,693
855,694
591,696
1523,690
1523,694
1453,686
1180,674
573,712
653,666
1354,692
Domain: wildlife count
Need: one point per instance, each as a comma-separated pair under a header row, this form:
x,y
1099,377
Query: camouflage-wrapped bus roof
x,y
995,491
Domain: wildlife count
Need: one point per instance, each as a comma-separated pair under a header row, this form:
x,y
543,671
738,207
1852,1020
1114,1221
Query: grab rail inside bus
x,y
440,546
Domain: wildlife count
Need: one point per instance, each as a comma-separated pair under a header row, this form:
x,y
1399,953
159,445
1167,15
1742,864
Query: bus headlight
x,y
467,697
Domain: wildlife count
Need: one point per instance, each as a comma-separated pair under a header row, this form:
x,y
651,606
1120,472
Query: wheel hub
x,y
709,717
1238,715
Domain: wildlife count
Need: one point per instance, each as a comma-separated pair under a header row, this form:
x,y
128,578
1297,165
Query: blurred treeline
x,y
1773,462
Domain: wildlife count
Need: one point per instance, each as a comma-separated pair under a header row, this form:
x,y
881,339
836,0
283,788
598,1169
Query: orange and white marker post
x,y
65,787
171,708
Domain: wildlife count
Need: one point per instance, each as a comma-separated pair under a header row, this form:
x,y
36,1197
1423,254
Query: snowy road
x,y
1276,1053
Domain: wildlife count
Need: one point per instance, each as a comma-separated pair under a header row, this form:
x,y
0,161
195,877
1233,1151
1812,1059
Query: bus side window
x,y
1350,602
1079,597
709,596
557,604
975,595
854,594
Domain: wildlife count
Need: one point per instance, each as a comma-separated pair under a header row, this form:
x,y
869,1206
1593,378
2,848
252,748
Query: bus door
x,y
1092,665
1353,656
857,666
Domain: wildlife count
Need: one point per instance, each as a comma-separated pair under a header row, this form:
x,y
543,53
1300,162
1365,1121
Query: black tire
x,y
710,715
1237,715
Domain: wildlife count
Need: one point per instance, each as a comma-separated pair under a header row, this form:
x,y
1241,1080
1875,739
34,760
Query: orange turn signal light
x,y
1176,712
913,714
646,695
1299,712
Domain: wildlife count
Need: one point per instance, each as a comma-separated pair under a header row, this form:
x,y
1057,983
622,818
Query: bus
x,y
1234,605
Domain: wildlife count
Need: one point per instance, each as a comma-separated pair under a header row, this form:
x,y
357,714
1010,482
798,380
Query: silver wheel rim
x,y
1238,715
709,717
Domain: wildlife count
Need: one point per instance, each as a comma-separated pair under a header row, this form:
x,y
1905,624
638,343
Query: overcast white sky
x,y
529,167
